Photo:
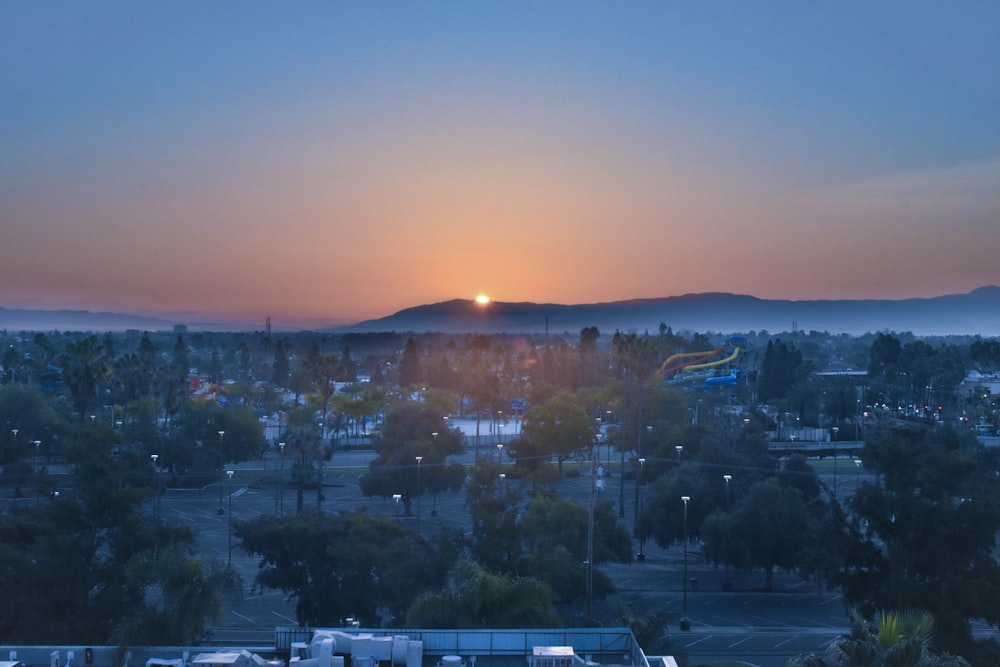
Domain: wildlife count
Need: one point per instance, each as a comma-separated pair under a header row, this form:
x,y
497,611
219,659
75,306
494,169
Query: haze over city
x,y
342,161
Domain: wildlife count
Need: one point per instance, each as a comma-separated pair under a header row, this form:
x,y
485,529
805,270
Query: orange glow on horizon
x,y
482,299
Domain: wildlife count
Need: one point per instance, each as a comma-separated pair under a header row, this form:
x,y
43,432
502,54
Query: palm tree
x,y
899,638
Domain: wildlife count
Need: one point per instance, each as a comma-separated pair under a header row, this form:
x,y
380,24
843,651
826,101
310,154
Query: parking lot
x,y
765,628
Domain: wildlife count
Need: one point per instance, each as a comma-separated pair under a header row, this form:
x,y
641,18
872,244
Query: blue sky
x,y
345,160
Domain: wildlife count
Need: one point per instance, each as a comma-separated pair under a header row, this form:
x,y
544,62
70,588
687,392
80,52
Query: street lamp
x,y
500,455
156,476
638,517
680,450
685,623
221,511
727,585
857,478
397,497
835,430
17,485
419,459
281,480
229,474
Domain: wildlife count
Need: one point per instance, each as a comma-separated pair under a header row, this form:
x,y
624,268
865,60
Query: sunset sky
x,y
344,160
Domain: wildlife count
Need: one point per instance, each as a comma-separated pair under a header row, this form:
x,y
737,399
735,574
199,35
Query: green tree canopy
x,y
340,565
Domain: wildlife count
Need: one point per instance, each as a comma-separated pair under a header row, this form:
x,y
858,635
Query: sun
x,y
482,299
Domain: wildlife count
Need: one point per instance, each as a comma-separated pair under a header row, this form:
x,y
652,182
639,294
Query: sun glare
x,y
482,299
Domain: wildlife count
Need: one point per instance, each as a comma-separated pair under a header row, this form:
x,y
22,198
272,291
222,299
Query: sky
x,y
341,161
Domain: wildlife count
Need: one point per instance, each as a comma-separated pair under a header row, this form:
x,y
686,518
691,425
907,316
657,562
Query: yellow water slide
x,y
696,367
671,365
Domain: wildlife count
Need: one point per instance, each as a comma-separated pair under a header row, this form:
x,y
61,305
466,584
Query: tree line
x,y
919,533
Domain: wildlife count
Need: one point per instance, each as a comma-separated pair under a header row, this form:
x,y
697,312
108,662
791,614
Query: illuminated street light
x,y
221,511
229,474
835,429
156,476
642,540
419,459
685,623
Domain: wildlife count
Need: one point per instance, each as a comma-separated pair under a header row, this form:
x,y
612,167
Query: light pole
x,y
17,485
397,497
500,455
727,585
680,450
685,623
38,456
229,474
156,476
221,511
857,476
638,517
419,459
835,430
590,543
281,480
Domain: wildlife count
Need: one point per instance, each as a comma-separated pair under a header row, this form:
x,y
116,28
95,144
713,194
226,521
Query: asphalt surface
x,y
745,623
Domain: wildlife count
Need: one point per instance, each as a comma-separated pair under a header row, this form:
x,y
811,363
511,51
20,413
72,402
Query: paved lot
x,y
764,628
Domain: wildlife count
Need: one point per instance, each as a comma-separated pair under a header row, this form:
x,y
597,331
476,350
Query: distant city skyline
x,y
343,161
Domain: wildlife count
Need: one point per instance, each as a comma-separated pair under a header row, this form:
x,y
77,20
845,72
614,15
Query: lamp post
x,y
680,450
281,479
857,476
397,497
638,517
590,544
685,623
500,455
229,474
835,430
38,457
17,485
419,459
727,585
221,511
156,477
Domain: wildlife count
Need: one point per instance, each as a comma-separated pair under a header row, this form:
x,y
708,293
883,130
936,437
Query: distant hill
x,y
22,319
977,312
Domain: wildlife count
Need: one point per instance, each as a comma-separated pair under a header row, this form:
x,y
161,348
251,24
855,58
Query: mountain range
x,y
974,313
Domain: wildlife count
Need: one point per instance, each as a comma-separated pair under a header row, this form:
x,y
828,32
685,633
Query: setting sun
x,y
482,299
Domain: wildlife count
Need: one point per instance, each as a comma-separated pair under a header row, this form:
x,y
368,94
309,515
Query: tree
x,y
409,365
477,598
924,538
781,369
412,429
555,545
85,369
558,427
494,508
340,565
897,639
764,530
